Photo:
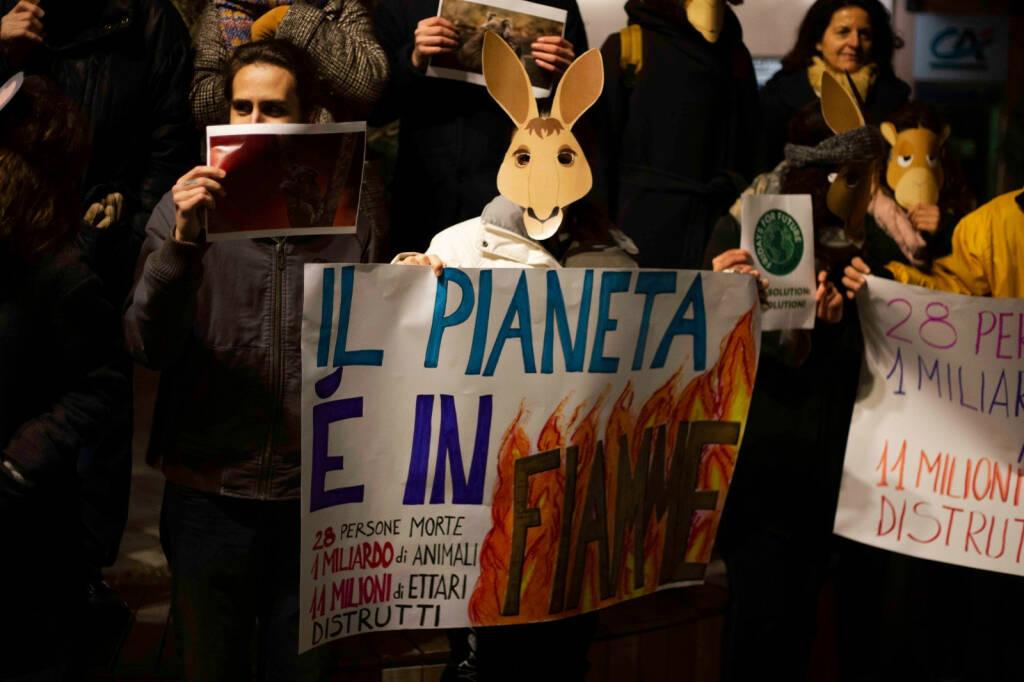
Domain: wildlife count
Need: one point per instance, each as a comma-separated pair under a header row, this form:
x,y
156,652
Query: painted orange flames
x,y
722,393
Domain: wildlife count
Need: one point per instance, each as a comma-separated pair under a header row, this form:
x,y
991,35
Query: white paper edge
x,y
288,129
283,129
284,232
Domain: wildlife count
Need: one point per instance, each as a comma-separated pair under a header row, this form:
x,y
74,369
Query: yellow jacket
x,y
987,257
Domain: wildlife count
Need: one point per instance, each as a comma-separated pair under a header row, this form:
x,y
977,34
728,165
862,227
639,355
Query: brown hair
x,y
884,41
280,53
44,148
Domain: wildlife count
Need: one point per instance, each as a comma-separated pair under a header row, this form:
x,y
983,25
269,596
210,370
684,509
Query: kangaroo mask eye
x,y
522,158
566,157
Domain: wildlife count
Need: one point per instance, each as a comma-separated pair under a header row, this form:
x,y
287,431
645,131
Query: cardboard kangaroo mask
x,y
850,191
544,169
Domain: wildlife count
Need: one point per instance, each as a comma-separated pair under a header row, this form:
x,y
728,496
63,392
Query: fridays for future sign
x,y
508,446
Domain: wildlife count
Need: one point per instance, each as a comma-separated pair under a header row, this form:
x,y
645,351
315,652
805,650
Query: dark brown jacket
x,y
223,322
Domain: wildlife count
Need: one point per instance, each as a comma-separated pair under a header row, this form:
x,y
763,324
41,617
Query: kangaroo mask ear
x,y
507,80
579,88
838,106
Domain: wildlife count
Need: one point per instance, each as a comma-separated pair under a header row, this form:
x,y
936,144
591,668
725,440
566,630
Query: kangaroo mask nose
x,y
551,215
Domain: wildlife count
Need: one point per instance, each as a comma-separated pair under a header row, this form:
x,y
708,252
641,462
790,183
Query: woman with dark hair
x,y
58,384
851,39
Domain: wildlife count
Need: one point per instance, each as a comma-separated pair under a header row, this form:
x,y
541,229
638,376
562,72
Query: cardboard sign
x,y
777,230
935,458
507,446
286,179
518,22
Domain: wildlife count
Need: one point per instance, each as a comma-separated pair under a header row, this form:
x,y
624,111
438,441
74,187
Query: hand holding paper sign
x,y
193,191
853,276
828,300
21,28
552,53
433,35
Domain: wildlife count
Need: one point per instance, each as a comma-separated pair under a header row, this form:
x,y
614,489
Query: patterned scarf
x,y
236,17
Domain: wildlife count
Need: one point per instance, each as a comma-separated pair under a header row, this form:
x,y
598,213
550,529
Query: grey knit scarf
x,y
861,144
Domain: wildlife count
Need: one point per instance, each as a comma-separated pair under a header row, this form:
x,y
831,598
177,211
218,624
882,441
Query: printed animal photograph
x,y
516,22
286,179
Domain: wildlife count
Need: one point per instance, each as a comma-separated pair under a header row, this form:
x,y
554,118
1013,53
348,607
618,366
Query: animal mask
x,y
850,191
914,172
544,168
707,16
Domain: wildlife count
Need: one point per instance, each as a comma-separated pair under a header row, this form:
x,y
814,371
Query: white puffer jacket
x,y
497,239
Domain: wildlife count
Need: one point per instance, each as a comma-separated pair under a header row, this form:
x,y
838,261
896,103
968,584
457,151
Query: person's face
x,y
846,44
264,93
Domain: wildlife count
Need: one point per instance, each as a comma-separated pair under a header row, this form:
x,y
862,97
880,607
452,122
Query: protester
x,y
845,38
222,320
126,65
676,129
510,233
987,257
922,192
349,66
59,385
795,434
452,135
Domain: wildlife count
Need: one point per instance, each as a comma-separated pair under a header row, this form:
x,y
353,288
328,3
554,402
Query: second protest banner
x,y
509,446
933,463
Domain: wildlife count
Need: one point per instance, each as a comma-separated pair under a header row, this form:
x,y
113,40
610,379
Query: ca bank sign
x,y
950,47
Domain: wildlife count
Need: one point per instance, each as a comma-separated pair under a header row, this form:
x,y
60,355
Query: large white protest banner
x,y
508,446
933,463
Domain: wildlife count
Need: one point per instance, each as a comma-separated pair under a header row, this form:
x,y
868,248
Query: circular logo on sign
x,y
778,242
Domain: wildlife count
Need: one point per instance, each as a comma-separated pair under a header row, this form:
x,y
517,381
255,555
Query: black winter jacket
x,y
453,135
58,380
127,64
675,143
224,321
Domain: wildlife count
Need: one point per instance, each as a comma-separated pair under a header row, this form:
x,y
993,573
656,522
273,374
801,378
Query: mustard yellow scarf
x,y
863,78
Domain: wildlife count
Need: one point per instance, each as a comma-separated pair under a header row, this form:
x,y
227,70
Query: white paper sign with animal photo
x,y
778,231
517,22
286,179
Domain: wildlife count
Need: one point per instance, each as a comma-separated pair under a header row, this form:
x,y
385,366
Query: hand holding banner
x,y
509,446
934,462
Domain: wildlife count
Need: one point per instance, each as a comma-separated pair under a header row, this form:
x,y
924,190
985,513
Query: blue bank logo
x,y
961,49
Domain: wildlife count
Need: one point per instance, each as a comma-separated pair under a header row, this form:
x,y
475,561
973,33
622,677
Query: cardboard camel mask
x,y
914,172
544,169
